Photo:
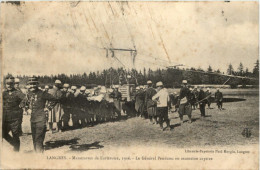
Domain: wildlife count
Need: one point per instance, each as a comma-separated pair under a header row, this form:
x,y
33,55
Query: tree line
x,y
171,77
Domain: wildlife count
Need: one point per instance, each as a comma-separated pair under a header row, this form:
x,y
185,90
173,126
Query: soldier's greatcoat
x,y
57,112
150,104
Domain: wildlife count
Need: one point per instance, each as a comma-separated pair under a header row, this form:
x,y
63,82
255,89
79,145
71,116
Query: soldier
x,y
196,95
202,102
16,86
192,98
219,99
149,103
184,103
57,112
117,96
66,106
12,113
36,100
81,101
72,99
162,99
139,101
208,95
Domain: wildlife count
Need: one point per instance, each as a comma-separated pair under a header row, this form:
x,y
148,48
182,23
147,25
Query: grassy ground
x,y
219,128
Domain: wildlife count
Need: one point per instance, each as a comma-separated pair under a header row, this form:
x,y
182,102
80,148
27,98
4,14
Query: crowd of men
x,y
64,107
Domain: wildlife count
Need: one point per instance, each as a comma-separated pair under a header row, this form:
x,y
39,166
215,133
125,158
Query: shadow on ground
x,y
85,147
59,143
230,99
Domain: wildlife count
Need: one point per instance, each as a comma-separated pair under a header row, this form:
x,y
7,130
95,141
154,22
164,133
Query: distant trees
x,y
230,69
170,77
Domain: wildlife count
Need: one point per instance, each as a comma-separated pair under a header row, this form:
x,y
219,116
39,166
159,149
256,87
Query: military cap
x,y
10,80
141,87
57,82
110,90
158,84
116,86
149,82
32,80
82,88
46,87
66,85
190,89
73,88
137,88
16,80
27,86
87,91
184,82
99,86
208,89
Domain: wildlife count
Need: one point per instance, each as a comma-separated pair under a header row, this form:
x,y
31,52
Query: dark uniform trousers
x,y
14,127
163,115
202,109
38,135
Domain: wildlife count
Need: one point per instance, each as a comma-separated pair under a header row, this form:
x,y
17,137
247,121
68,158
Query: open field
x,y
219,128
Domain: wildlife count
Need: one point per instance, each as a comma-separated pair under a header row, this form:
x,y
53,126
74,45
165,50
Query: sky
x,y
44,38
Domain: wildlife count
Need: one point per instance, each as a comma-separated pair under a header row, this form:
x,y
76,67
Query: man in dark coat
x,y
202,102
117,96
36,101
184,100
219,99
12,113
149,103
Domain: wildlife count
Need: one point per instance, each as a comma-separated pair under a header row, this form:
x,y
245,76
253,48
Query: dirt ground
x,y
219,128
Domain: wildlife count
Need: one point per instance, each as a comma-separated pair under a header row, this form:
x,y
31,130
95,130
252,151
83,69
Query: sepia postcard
x,y
129,85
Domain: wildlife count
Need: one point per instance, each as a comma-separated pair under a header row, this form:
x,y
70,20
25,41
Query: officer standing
x,y
149,103
184,103
219,99
12,113
162,99
202,102
36,101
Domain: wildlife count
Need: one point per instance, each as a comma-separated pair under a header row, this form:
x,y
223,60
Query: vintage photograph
x,y
129,85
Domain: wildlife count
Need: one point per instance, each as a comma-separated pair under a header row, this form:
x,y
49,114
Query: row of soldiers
x,y
187,99
64,104
56,105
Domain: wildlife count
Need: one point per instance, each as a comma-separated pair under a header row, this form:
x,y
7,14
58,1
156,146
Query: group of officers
x,y
69,106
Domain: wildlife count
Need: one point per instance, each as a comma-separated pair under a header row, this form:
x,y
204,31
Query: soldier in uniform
x,y
202,102
208,95
219,99
36,101
17,87
66,106
81,101
55,115
163,102
196,95
12,113
139,101
117,96
149,103
184,103
72,99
